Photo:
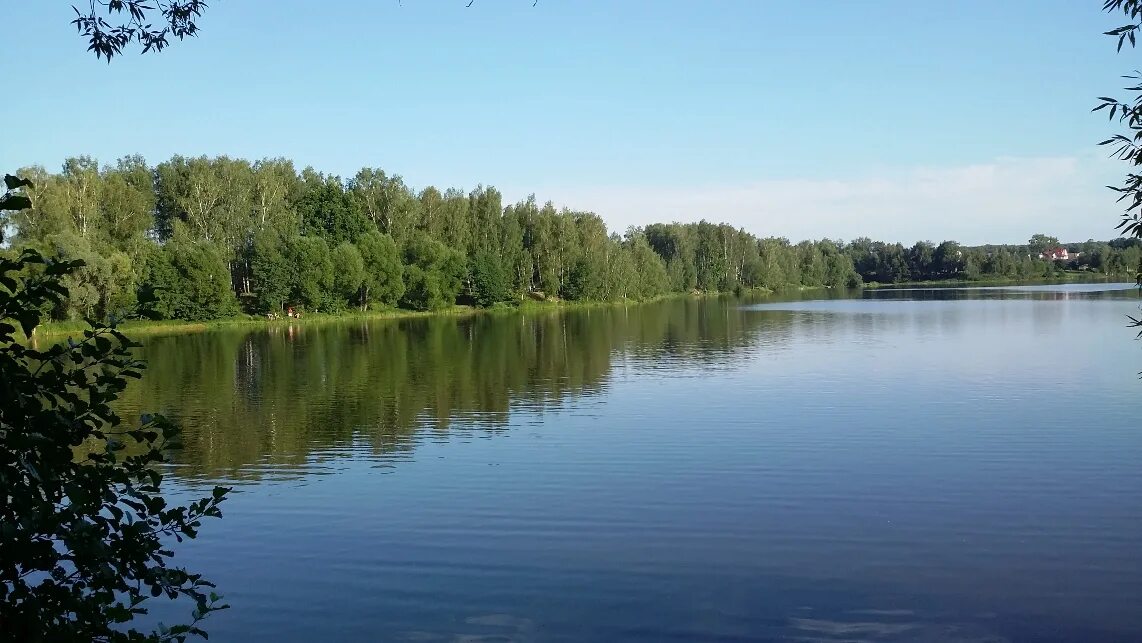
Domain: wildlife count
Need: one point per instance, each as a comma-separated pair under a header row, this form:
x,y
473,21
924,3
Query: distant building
x,y
1055,254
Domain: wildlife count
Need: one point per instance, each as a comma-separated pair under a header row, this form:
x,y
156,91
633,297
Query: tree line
x,y
209,238
895,263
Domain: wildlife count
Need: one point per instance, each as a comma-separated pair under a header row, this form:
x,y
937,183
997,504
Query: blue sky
x,y
897,120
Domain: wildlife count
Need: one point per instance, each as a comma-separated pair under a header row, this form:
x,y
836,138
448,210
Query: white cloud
x,y
1001,201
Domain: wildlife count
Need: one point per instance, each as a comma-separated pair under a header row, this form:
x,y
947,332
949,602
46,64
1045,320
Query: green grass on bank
x,y
158,327
138,327
155,327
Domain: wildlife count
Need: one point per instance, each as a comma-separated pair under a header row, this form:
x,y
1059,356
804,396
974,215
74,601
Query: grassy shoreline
x,y
142,327
527,306
59,329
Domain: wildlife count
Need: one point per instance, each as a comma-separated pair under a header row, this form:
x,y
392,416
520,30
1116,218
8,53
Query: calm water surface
x,y
903,465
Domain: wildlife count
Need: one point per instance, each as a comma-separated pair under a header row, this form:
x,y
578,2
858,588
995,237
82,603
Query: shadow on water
x,y
1041,292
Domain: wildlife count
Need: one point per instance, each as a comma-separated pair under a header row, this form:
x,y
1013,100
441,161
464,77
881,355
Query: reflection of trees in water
x,y
1045,316
997,292
702,331
286,396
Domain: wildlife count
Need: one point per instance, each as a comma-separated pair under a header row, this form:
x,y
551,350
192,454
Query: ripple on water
x,y
915,466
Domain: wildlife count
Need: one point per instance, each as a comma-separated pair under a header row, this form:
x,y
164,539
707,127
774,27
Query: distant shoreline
x,y
1069,277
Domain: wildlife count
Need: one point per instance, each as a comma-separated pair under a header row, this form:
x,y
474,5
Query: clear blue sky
x,y
897,120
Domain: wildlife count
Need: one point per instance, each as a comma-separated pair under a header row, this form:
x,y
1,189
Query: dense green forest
x,y
215,237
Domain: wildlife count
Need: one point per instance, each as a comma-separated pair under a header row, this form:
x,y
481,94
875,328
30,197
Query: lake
x,y
894,465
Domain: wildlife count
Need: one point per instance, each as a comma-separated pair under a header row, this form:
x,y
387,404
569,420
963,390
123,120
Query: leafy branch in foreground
x,y
106,40
85,532
1127,147
133,23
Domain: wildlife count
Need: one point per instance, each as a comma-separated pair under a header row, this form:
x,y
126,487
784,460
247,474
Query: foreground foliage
x,y
1128,146
85,532
149,23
